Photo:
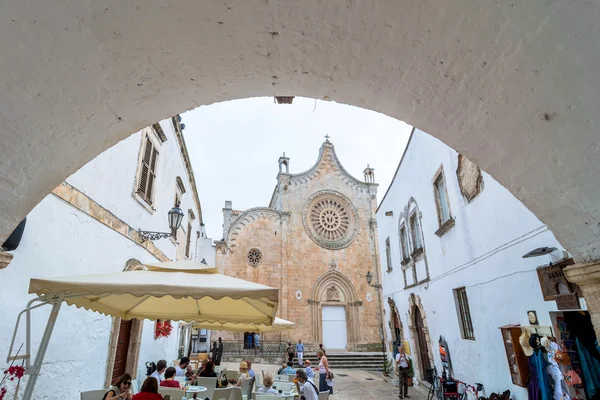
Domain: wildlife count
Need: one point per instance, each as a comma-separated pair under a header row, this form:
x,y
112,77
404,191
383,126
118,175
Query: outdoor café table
x,y
290,396
195,389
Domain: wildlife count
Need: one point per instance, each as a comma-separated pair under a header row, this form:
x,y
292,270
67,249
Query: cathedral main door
x,y
334,327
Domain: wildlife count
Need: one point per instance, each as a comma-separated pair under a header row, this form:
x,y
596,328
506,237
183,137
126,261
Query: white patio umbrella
x,y
279,324
182,290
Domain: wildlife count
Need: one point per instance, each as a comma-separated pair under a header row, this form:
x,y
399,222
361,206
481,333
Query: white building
x,y
89,225
451,242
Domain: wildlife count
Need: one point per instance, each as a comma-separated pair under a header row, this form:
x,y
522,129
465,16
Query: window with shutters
x,y
464,314
146,177
415,232
440,193
404,244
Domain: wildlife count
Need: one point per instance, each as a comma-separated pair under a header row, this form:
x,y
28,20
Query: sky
x,y
234,147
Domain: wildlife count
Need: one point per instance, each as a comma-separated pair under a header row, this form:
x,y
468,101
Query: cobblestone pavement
x,y
353,384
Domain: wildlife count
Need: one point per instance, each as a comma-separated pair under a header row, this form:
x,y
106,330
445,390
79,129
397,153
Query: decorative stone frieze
x,y
5,259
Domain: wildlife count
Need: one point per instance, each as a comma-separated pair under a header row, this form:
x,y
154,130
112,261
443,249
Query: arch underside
x,y
507,84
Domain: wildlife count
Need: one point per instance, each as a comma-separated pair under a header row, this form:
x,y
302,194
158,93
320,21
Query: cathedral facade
x,y
315,241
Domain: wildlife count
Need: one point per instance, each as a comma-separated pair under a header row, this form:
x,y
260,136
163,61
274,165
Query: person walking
x,y
219,352
404,363
290,353
256,342
300,352
214,352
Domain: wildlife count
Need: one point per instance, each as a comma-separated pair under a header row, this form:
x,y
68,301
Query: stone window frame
x,y
388,254
444,225
463,311
191,218
404,243
416,233
148,135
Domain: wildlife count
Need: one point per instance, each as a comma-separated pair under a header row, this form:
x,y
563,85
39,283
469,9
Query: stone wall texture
x,y
312,271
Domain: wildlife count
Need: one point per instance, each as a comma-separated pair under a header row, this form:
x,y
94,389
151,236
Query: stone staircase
x,y
366,361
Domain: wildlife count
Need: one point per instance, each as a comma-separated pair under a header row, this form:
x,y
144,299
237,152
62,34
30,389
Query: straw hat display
x,y
524,342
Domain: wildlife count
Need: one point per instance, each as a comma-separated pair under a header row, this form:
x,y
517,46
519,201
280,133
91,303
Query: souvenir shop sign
x,y
567,301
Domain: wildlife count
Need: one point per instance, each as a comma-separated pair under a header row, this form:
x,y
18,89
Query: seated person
x,y
309,371
121,390
169,380
250,370
306,387
161,366
243,374
208,371
281,369
203,365
268,385
190,379
289,370
183,364
148,391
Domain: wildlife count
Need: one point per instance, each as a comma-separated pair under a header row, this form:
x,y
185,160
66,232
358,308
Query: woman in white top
x,y
268,382
323,372
243,374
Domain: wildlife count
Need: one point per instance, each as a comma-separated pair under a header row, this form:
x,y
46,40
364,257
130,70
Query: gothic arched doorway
x,y
395,325
421,342
335,311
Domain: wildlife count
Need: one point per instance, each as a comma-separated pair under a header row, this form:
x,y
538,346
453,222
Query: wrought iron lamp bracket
x,y
150,235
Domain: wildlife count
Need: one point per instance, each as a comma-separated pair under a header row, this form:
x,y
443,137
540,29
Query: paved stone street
x,y
352,384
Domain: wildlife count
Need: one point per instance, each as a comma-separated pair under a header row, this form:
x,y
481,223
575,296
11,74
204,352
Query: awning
x,y
182,290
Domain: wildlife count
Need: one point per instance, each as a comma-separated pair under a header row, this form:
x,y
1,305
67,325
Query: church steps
x,y
364,361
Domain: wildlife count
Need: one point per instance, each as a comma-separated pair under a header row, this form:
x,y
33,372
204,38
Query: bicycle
x,y
435,390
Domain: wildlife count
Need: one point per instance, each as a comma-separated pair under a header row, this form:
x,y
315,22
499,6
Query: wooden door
x,y
122,349
397,328
424,364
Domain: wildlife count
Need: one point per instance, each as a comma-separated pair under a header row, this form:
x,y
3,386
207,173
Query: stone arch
x,y
248,217
334,288
133,81
416,309
133,353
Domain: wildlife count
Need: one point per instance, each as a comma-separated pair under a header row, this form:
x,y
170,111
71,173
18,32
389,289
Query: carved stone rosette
x,y
330,219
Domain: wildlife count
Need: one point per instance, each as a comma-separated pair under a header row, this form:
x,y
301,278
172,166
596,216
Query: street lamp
x,y
369,277
175,218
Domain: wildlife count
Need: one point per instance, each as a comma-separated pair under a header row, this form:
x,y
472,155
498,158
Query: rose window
x,y
330,219
254,257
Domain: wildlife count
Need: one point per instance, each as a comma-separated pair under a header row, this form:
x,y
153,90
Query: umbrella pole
x,y
34,371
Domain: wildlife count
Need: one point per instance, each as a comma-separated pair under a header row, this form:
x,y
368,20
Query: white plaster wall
x,y
482,252
110,180
206,250
61,241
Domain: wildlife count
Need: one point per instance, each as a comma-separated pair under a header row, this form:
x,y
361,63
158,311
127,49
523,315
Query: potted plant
x,y
388,367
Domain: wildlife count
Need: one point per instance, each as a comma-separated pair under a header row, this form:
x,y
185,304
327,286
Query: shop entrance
x,y
575,331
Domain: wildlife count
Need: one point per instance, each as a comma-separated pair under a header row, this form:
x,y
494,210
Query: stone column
x,y
587,276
